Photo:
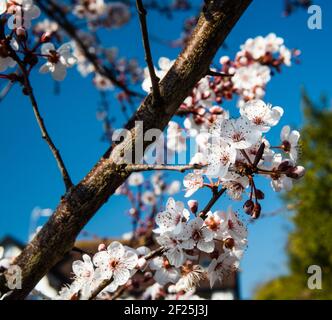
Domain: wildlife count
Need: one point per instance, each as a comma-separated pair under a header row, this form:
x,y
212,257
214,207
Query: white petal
x,y
45,68
116,250
130,260
47,47
121,276
205,246
285,133
60,72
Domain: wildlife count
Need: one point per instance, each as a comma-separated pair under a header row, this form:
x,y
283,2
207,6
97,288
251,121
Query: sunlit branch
x,y
152,167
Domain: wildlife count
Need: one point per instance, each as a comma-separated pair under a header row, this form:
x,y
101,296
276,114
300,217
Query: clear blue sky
x,y
29,176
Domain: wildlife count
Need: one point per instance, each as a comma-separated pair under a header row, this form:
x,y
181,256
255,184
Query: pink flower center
x,y
54,56
237,137
113,263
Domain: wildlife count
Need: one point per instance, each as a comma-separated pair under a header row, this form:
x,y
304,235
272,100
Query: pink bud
x,y
148,275
102,247
193,206
133,212
21,33
201,111
224,59
216,110
296,172
141,263
46,37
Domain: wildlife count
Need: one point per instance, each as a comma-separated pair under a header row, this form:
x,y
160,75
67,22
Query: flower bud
x,y
296,172
256,211
21,33
102,247
148,275
229,243
285,165
201,111
248,207
259,194
224,59
216,110
141,263
231,71
193,206
133,212
46,37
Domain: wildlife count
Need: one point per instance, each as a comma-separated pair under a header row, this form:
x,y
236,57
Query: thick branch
x,y
80,204
148,56
161,167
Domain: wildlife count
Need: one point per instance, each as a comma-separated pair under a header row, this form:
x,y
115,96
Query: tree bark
x,y
82,201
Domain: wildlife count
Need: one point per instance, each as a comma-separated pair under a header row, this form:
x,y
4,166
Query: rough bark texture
x,y
81,202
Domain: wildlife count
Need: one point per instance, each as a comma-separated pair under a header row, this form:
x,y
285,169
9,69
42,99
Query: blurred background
x,y
295,231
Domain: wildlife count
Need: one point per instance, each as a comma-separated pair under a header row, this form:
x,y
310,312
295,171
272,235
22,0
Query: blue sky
x,y
29,176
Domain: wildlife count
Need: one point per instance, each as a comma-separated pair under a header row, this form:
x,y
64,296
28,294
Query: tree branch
x,y
147,167
217,74
79,205
148,56
216,195
55,12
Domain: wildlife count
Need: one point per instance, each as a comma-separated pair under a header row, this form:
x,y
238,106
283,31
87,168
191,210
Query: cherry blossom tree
x,y
229,153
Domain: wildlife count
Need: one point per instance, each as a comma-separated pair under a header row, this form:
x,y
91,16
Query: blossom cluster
x,y
186,245
185,240
238,149
18,51
245,77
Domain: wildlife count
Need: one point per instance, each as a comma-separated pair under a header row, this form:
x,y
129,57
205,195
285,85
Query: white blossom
x,y
247,78
149,198
115,263
239,133
261,115
172,218
280,181
192,182
174,248
135,179
221,156
22,13
58,60
290,139
85,275
222,267
196,233
164,272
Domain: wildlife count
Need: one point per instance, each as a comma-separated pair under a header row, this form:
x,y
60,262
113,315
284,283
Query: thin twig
x,y
153,167
217,74
214,199
45,135
56,13
148,56
5,90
